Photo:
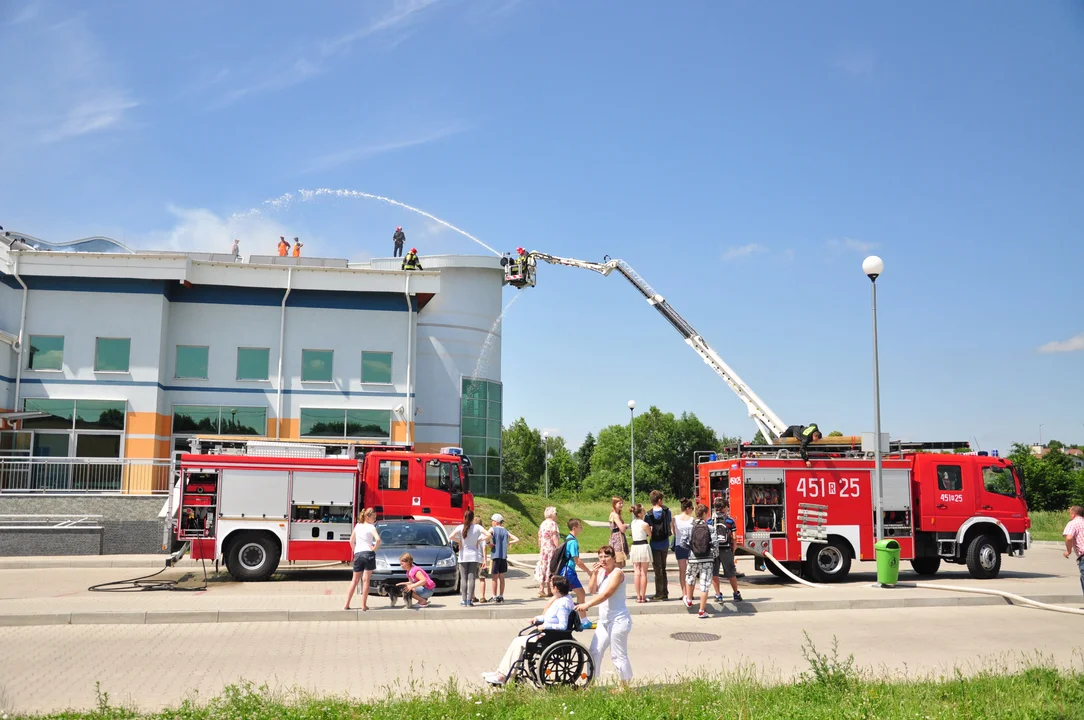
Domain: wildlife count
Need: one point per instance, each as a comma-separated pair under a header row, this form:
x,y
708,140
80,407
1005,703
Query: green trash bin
x,y
888,562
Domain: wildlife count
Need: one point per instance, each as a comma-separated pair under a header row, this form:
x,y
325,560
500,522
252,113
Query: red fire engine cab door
x,y
950,499
998,496
393,485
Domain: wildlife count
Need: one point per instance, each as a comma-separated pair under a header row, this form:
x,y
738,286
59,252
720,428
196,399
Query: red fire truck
x,y
958,508
937,506
253,504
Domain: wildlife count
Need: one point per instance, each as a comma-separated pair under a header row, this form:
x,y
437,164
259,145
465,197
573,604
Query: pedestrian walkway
x,y
59,595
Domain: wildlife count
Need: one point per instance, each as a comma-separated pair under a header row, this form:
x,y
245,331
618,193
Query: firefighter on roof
x,y
804,433
410,262
398,239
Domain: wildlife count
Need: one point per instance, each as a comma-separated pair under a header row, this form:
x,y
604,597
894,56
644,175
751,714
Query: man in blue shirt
x,y
500,539
572,561
661,521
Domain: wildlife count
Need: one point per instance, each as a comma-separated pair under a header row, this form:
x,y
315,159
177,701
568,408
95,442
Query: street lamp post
x,y
1041,436
632,448
546,439
873,266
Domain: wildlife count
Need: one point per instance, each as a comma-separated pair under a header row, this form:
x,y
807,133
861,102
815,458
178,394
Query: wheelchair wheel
x,y
565,662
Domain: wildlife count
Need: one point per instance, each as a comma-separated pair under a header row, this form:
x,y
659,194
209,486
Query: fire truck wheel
x,y
926,566
253,557
829,562
983,558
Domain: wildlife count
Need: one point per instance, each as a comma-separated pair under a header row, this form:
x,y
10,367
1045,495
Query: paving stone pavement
x,y
152,666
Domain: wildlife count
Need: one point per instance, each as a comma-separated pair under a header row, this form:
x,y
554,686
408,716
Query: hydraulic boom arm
x,y
768,422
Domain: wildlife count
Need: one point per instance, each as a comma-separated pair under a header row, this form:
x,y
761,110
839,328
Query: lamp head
x,y
873,266
632,404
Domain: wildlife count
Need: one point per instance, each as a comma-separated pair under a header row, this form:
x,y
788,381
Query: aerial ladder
x,y
520,273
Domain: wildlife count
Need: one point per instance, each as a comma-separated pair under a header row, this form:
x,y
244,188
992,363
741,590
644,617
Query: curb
x,y
509,613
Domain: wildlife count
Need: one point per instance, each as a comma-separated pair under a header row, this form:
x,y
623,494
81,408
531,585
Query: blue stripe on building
x,y
185,388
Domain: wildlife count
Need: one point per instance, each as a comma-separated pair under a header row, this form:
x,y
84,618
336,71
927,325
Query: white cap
x,y
497,517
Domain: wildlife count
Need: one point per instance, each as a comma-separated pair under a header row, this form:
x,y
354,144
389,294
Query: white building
x,y
124,355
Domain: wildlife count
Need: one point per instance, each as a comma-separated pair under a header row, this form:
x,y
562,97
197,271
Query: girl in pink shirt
x,y
418,585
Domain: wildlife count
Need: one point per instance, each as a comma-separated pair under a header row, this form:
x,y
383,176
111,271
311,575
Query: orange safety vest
x,y
284,247
297,251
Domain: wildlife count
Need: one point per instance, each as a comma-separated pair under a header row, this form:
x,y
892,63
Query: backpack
x,y
559,559
723,529
700,539
660,529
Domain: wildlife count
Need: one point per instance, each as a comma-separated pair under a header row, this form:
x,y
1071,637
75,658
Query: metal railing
x,y
50,522
20,473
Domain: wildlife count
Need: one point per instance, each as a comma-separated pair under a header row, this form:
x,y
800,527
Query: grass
x,y
523,514
830,688
1048,524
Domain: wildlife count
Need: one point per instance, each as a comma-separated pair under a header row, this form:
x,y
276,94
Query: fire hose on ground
x,y
1011,597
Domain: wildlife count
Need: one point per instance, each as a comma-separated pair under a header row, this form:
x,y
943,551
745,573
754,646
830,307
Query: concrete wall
x,y
130,525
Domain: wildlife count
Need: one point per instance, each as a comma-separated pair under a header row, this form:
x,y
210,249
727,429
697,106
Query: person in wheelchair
x,y
554,617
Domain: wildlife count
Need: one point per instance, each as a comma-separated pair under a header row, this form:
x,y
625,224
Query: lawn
x,y
523,514
1048,524
830,690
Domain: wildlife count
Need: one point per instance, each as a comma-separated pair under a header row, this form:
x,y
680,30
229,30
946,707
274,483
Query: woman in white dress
x,y
607,585
640,552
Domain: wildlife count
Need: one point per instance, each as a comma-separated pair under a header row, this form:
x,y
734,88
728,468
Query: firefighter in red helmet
x,y
410,262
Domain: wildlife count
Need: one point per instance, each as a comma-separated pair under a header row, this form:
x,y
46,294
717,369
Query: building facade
x,y
123,357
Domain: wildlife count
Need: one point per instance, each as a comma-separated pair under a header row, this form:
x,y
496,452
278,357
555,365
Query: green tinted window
x,y
112,354
474,427
252,363
493,428
99,415
243,421
368,423
494,391
474,408
474,447
480,431
475,389
192,362
195,419
316,365
316,422
46,352
61,414
376,367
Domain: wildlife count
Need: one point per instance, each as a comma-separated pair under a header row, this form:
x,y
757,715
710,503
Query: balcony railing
x,y
20,473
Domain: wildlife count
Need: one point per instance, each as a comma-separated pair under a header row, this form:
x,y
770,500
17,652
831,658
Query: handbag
x,y
620,557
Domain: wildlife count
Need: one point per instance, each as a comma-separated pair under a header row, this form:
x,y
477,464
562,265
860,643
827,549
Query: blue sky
x,y
743,157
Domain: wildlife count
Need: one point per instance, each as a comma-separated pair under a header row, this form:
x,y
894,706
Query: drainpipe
x,y
282,339
17,346
410,346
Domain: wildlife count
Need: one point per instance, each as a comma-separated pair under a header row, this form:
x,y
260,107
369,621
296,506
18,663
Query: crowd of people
x,y
701,539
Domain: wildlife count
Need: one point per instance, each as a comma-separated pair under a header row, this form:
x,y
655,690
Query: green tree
x,y
759,439
524,458
835,433
1050,482
583,455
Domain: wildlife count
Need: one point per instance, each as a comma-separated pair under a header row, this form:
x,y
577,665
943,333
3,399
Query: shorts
x,y
364,560
423,592
498,566
698,575
725,562
681,553
573,580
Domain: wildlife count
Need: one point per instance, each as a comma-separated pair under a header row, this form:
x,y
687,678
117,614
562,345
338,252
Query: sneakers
x,y
499,599
493,678
718,597
702,615
687,601
587,625
737,597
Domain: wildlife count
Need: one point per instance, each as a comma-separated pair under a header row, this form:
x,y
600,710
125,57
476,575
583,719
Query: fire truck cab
x,y
957,508
254,504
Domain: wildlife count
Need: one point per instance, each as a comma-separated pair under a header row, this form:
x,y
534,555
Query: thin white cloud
x,y
318,57
741,251
59,83
361,152
856,63
1073,344
29,12
851,244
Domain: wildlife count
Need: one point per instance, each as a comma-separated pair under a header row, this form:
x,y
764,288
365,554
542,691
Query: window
x,y
76,414
253,363
219,420
480,431
437,475
46,352
316,365
998,480
74,428
344,423
191,362
112,354
949,477
393,474
376,367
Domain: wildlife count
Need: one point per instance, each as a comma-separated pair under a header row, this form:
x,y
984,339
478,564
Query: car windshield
x,y
411,534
